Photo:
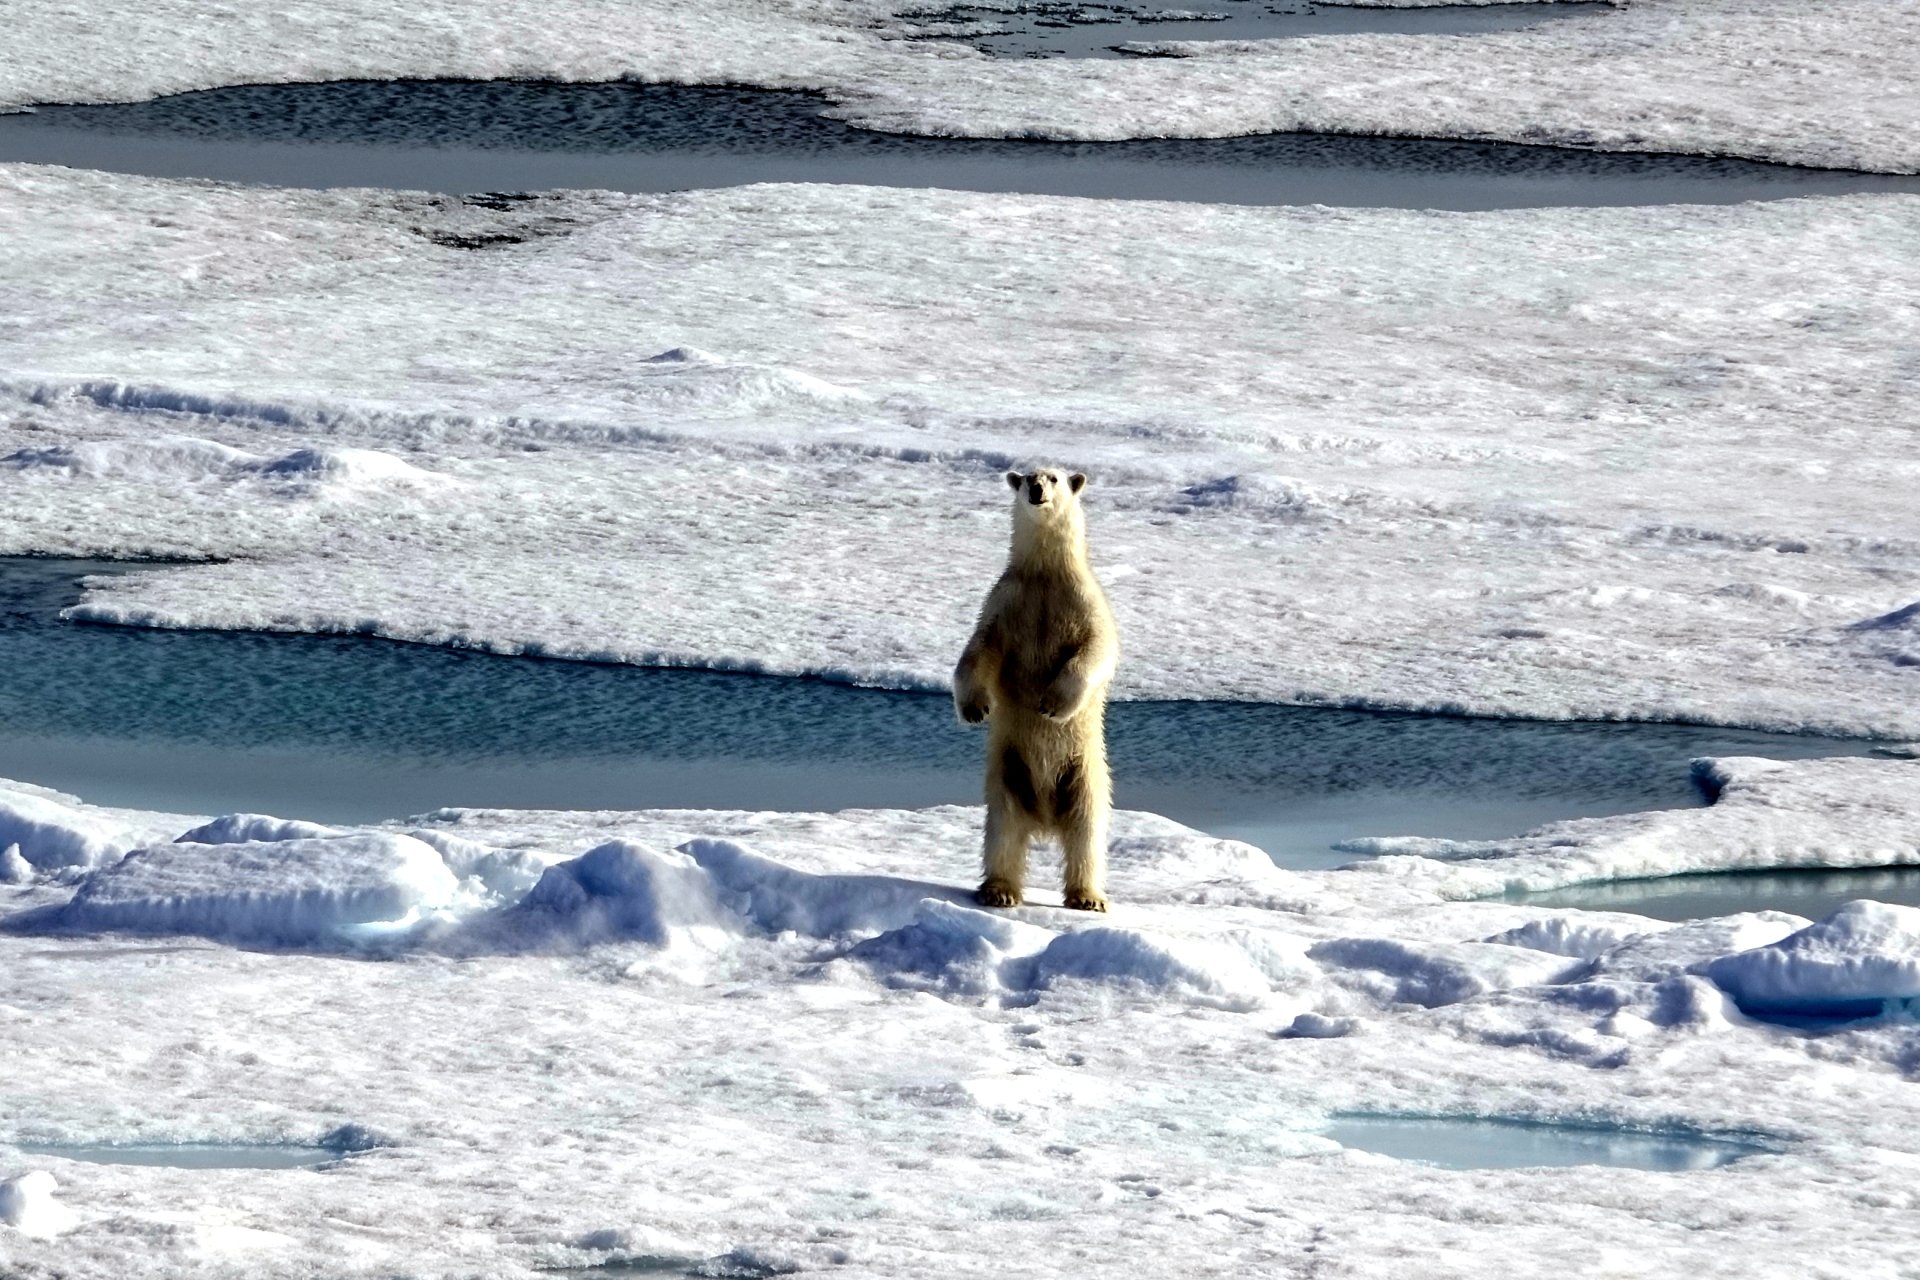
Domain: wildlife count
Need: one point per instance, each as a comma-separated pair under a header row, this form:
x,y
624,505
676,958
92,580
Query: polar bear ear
x,y
1015,479
1078,480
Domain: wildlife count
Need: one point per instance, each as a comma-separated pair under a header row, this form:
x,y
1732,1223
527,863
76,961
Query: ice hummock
x,y
1862,960
287,893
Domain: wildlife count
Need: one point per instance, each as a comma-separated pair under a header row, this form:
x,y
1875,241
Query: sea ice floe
x,y
1765,814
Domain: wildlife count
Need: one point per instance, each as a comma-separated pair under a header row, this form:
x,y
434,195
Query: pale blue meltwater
x,y
349,729
1810,893
1480,1142
191,1155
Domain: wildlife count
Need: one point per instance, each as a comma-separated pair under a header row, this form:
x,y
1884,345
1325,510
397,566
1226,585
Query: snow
x,y
747,1040
1829,84
28,1206
45,830
1865,954
1392,459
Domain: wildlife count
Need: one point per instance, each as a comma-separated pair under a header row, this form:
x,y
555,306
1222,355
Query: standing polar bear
x,y
1037,669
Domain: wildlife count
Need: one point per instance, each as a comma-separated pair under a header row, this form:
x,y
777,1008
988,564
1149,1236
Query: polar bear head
x,y
1050,491
1046,509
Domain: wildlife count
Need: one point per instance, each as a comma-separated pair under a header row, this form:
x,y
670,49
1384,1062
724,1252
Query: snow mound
x,y
342,469
174,460
14,869
689,377
27,1205
506,875
778,898
698,894
1660,955
1567,936
171,458
297,892
618,892
949,948
1430,975
1196,968
709,894
1858,961
49,835
255,828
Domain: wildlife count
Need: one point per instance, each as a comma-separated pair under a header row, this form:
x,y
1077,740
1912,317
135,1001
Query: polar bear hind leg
x,y
1011,825
1080,812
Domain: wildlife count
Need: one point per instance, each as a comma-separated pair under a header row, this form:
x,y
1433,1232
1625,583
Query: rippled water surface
x,y
483,136
1066,30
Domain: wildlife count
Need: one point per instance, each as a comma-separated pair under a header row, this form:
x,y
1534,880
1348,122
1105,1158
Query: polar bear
x,y
1037,669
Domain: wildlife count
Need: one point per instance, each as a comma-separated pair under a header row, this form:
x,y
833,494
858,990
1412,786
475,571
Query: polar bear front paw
x,y
1085,900
997,893
973,710
1060,703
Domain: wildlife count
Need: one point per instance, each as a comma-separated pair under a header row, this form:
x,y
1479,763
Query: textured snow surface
x,y
1766,815
1596,464
759,1042
1828,83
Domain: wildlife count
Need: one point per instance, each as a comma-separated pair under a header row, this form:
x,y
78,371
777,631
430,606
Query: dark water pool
x,y
1474,1142
1046,29
1812,894
348,729
479,136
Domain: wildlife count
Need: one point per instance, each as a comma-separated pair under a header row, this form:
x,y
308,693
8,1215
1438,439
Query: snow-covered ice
x,y
790,1041
1826,84
1594,464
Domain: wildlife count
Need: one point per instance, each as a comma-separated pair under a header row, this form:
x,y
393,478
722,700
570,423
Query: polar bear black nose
x,y
1035,494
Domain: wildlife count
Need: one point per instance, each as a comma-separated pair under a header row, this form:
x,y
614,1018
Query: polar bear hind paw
x,y
997,893
1085,900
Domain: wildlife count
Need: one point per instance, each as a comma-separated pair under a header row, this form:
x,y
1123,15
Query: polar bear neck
x,y
1049,545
